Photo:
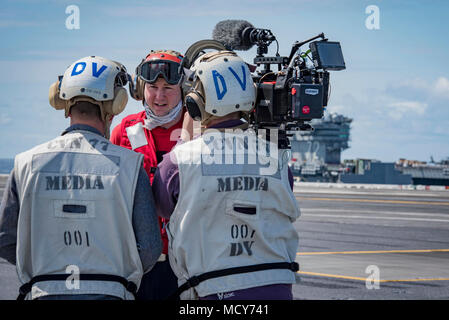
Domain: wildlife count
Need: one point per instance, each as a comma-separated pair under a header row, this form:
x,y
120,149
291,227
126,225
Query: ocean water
x,y
6,165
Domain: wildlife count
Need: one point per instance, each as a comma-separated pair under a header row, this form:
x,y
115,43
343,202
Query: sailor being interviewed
x,y
78,210
153,132
230,231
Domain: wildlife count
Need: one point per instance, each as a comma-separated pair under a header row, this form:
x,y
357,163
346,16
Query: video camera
x,y
298,91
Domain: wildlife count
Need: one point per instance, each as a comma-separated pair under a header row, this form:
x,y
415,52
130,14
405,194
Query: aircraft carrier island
x,y
316,157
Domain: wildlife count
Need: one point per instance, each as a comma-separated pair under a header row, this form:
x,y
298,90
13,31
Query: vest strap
x,y
26,288
196,280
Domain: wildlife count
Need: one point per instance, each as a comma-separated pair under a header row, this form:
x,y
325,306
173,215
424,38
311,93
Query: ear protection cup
x,y
53,97
136,85
140,87
193,102
136,91
118,104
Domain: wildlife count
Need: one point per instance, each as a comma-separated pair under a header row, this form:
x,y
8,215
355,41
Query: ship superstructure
x,y
316,155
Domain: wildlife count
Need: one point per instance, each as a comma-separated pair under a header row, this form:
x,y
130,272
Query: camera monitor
x,y
327,55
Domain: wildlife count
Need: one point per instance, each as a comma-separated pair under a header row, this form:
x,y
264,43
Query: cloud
x,y
417,97
4,119
420,88
441,88
407,119
406,107
340,108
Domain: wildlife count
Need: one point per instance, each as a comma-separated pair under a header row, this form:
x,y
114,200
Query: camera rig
x,y
287,99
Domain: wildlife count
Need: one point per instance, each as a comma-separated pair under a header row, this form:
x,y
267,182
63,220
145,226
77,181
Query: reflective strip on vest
x,y
136,136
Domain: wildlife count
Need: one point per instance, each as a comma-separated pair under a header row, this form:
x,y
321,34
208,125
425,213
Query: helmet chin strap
x,y
154,121
107,127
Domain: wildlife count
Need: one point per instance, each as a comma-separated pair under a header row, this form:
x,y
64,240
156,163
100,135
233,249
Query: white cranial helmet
x,y
92,76
93,79
222,85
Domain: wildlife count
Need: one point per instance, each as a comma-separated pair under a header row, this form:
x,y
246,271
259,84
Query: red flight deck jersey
x,y
158,143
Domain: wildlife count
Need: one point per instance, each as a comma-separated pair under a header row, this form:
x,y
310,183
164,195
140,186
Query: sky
x,y
395,86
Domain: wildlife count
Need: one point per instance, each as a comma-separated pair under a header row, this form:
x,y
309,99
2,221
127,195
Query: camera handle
x,y
297,44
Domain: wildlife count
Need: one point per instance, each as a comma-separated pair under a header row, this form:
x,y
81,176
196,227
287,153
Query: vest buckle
x,y
193,281
294,266
131,287
24,289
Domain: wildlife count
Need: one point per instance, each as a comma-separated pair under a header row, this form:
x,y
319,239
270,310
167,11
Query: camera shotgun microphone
x,y
241,35
230,34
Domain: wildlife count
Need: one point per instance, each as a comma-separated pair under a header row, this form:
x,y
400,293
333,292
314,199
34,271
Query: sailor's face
x,y
161,97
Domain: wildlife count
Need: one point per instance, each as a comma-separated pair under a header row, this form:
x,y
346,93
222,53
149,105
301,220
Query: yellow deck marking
x,y
376,201
369,252
364,279
330,275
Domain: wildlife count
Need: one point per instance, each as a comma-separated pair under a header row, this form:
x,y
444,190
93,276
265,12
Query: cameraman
x,y
228,219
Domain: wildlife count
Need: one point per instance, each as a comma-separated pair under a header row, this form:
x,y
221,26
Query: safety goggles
x,y
149,71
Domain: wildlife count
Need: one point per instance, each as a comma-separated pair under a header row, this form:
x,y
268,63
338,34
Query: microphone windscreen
x,y
229,33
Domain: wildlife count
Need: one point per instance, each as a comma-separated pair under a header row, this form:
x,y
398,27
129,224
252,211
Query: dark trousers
x,y
158,284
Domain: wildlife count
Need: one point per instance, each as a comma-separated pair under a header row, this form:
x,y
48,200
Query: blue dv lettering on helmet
x,y
79,68
221,92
